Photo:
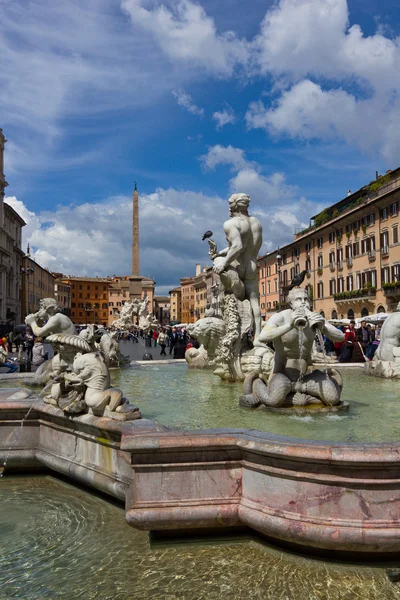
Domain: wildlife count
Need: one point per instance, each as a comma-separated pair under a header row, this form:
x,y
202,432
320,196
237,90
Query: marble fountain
x,y
194,462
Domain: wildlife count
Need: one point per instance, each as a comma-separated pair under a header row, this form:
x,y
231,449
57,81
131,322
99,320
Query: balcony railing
x,y
391,289
350,262
340,265
371,255
354,294
332,266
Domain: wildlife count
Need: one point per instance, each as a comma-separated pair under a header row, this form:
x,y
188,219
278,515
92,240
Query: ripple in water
x,y
57,541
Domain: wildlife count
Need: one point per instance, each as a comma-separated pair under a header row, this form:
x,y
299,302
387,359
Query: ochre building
x,y
351,252
89,299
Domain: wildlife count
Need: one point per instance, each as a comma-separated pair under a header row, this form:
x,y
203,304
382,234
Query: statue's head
x,y
239,203
48,306
298,298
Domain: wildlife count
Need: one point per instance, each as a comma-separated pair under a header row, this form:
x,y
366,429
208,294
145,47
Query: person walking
x,y
4,360
162,341
39,356
155,337
29,341
346,353
173,339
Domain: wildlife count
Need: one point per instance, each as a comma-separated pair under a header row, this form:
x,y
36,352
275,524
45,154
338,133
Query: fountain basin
x,y
331,496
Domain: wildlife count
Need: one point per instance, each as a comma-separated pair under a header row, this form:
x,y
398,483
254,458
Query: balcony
x,y
385,251
392,289
350,262
356,295
332,266
371,255
340,265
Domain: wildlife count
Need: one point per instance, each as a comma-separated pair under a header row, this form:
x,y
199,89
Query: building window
x,y
340,284
262,305
349,283
394,209
275,285
320,242
308,248
268,271
320,289
385,275
320,261
332,237
384,213
395,235
332,287
269,287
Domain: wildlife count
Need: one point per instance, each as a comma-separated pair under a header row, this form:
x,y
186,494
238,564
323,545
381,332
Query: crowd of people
x,y
359,344
175,339
29,349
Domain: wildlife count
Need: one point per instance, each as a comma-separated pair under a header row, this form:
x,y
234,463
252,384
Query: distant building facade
x,y
89,299
10,256
351,252
126,288
162,309
175,300
37,283
188,300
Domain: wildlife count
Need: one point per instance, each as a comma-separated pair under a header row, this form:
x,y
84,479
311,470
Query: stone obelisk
x,y
135,234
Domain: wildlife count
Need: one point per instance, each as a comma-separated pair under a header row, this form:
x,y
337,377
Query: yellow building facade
x,y
351,253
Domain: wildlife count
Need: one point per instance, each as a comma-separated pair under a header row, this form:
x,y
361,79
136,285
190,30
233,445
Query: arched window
x,y
381,309
350,313
334,314
365,312
321,312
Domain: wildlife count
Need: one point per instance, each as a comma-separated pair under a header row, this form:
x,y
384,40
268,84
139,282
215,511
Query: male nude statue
x,y
244,236
48,320
389,346
292,362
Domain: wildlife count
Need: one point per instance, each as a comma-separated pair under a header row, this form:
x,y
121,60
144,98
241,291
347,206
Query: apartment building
x,y
37,283
162,309
351,252
89,299
187,300
125,288
175,296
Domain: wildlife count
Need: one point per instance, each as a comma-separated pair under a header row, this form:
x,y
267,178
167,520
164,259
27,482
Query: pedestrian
x,y
39,356
155,337
162,340
365,336
173,340
29,340
346,353
4,360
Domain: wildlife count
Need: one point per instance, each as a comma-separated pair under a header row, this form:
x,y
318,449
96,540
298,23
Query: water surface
x,y
60,542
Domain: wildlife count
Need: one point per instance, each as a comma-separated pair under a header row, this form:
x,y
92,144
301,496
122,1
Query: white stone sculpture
x,y
386,361
126,318
146,318
237,268
47,321
140,310
294,381
99,339
80,381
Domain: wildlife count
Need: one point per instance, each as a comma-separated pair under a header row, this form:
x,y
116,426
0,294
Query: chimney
x,y
198,269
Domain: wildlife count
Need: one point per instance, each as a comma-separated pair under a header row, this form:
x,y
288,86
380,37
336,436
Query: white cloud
x,y
225,116
306,111
302,41
224,155
187,34
184,99
91,239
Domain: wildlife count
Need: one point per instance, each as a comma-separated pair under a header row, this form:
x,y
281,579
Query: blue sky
x,y
293,102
